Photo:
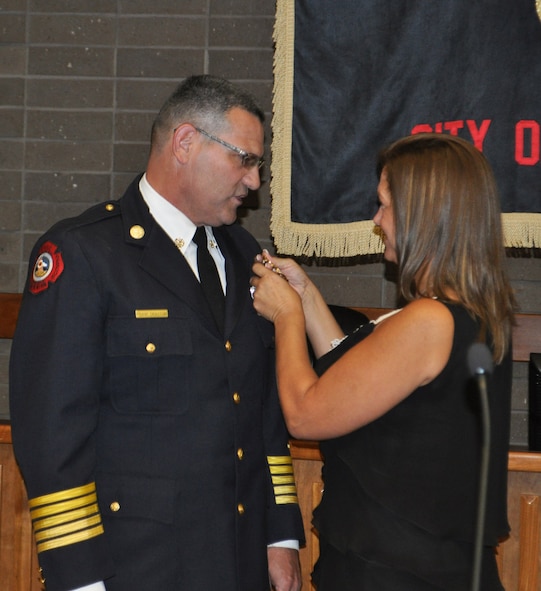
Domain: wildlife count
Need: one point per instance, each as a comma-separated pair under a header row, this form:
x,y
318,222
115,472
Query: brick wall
x,y
80,82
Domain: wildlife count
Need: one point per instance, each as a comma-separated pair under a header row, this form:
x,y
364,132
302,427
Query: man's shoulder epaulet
x,y
101,211
94,214
48,253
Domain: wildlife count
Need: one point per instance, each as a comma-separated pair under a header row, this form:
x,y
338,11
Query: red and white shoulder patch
x,y
47,268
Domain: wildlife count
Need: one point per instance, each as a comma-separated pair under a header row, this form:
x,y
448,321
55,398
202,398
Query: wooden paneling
x,y
9,310
518,556
18,559
309,490
526,336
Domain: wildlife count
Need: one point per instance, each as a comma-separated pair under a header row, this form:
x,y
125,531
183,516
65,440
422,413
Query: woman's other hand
x,y
288,269
272,293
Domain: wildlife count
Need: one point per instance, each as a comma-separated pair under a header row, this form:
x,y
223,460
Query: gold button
x,y
240,509
228,346
240,453
114,506
236,398
151,347
109,207
137,232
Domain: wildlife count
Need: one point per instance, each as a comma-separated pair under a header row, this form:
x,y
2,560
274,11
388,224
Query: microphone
x,y
479,360
480,365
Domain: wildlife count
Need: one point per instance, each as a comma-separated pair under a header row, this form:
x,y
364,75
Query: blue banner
x,y
354,75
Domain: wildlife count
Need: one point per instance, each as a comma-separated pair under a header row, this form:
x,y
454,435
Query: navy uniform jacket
x,y
153,448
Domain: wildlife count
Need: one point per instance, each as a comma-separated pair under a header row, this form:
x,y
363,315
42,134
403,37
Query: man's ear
x,y
182,141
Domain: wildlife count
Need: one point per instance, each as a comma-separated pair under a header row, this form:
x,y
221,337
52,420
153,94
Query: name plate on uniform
x,y
158,313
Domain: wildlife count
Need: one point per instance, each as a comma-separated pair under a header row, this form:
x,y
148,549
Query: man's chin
x,y
227,219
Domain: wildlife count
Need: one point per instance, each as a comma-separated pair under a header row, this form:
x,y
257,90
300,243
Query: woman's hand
x,y
319,323
273,295
288,269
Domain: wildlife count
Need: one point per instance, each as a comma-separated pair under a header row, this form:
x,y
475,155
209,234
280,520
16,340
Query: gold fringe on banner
x,y
293,238
521,230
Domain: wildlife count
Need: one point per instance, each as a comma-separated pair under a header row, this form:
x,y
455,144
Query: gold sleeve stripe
x,y
62,507
279,460
62,495
68,528
283,490
68,540
65,517
287,500
283,479
281,470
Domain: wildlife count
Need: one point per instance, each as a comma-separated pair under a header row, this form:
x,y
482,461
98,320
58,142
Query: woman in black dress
x,y
393,404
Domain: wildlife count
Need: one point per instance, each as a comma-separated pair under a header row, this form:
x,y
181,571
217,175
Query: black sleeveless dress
x,y
399,507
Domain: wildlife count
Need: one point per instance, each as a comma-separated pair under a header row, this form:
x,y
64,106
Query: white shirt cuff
x,y
293,544
99,586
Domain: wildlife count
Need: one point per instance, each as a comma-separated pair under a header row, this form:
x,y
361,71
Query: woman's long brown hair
x,y
448,229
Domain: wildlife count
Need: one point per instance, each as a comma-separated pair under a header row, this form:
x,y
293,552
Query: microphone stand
x,y
480,364
483,483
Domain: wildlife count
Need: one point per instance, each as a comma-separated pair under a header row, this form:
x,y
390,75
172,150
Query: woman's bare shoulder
x,y
426,312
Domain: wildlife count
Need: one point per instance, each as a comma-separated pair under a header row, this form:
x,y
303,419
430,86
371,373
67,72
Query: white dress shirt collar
x,y
174,223
181,229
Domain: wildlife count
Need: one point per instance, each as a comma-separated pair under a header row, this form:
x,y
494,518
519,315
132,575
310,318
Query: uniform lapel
x,y
160,258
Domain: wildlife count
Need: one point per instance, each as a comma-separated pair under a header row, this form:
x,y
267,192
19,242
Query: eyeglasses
x,y
247,159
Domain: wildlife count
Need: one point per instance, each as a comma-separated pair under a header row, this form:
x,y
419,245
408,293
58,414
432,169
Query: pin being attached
x,y
270,265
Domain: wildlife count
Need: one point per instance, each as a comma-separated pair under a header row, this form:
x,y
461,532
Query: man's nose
x,y
252,178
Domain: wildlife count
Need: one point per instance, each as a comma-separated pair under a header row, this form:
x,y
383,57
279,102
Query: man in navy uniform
x,y
144,412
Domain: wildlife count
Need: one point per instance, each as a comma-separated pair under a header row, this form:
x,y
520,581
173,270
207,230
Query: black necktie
x,y
209,278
